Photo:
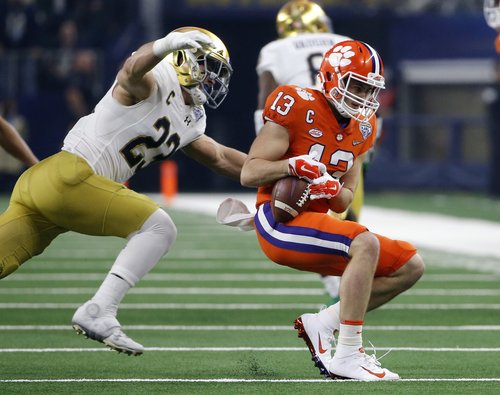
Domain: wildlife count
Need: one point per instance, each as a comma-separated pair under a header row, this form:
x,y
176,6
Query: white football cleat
x,y
318,340
359,366
91,321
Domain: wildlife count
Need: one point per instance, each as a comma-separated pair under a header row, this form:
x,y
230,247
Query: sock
x,y
110,293
350,340
142,252
330,317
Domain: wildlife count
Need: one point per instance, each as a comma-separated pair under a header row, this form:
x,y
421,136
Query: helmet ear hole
x,y
178,58
328,76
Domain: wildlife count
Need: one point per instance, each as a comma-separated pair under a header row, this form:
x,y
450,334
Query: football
x,y
289,198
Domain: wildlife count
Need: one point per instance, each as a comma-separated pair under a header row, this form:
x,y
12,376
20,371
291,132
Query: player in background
x,y
153,109
12,142
305,33
322,136
492,16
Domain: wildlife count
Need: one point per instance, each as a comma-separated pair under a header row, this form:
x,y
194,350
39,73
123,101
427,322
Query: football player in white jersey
x,y
305,34
12,142
153,109
492,16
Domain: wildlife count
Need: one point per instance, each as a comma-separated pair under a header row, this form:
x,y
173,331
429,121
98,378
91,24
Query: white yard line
x,y
238,291
228,380
261,328
239,349
235,277
252,306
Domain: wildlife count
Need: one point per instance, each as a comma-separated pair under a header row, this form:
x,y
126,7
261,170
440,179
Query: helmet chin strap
x,y
199,97
341,110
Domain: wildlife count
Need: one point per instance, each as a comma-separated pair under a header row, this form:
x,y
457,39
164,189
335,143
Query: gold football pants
x,y
63,193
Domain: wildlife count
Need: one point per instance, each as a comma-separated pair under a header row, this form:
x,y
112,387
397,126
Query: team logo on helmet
x,y
341,56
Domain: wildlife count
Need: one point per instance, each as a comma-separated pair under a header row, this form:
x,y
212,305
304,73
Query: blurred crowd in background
x,y
58,57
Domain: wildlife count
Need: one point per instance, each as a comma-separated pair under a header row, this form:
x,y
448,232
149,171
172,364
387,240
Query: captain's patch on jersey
x,y
365,129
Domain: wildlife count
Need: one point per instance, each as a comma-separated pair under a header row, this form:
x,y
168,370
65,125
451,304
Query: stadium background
x,y
57,58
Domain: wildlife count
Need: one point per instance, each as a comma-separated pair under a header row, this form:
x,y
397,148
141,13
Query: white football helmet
x,y
204,72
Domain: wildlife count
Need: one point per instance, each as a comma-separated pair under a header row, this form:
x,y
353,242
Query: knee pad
x,y
161,226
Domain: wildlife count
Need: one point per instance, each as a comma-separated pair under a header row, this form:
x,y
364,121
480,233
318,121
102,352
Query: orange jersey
x,y
315,241
313,128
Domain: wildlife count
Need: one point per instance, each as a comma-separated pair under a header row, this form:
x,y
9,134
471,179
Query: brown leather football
x,y
290,197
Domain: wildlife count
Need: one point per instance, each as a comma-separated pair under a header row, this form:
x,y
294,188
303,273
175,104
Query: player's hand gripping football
x,y
305,167
175,41
324,187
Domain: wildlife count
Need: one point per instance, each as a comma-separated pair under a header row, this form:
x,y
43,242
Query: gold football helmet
x,y
207,68
301,16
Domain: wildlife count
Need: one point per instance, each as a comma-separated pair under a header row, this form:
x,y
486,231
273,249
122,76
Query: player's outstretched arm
x,y
135,83
14,144
220,158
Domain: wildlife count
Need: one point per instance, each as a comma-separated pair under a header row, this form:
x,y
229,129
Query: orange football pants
x,y
316,242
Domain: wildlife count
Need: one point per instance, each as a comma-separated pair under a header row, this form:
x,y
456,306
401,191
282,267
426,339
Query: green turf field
x,y
216,318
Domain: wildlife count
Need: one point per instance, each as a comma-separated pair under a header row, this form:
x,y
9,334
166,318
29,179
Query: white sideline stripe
x,y
238,349
273,328
236,291
245,277
252,306
228,380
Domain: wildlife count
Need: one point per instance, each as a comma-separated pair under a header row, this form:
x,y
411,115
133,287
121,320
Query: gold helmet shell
x,y
206,67
301,16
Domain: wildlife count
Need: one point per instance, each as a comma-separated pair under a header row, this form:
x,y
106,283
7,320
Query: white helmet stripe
x,y
375,57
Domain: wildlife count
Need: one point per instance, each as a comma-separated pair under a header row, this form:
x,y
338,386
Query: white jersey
x,y
118,140
296,60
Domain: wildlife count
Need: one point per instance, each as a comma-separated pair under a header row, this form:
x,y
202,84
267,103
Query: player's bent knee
x,y
8,265
417,266
11,263
161,226
412,270
366,244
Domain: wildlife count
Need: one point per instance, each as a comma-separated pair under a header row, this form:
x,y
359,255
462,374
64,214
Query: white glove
x,y
324,187
306,167
175,41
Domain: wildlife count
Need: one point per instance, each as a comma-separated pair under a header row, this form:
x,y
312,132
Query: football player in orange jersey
x,y
305,33
14,144
323,136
